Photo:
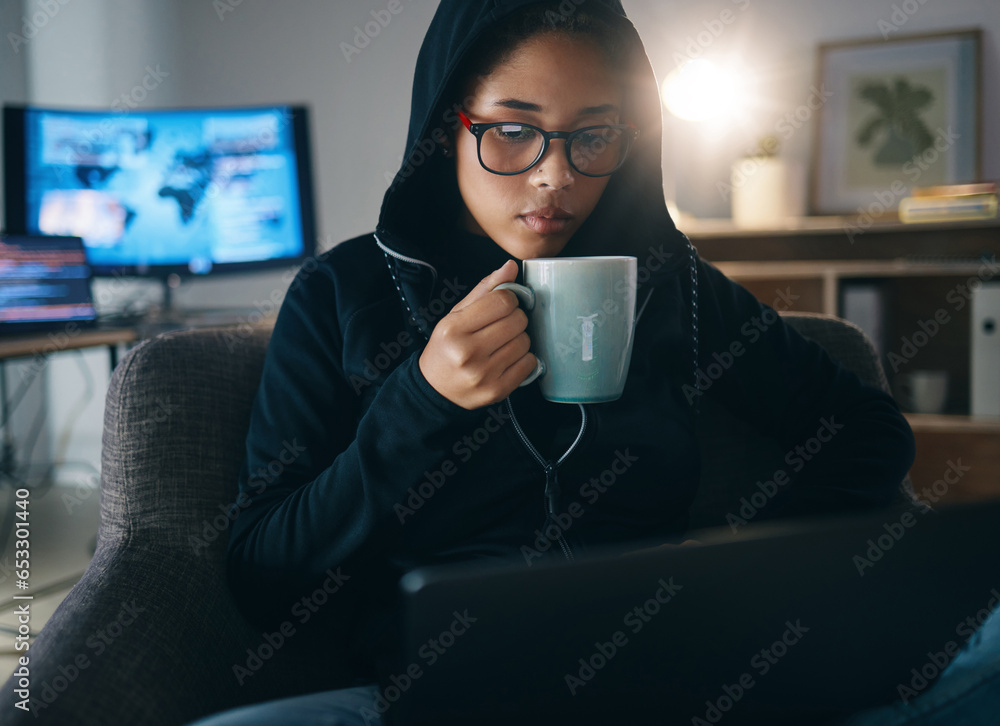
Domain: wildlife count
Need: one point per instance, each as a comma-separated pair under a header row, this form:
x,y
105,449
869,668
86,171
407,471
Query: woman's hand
x,y
478,353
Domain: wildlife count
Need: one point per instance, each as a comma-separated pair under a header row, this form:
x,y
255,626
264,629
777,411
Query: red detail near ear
x,y
465,120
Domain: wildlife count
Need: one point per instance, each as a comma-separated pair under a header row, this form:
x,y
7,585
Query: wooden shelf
x,y
826,275
939,423
702,228
830,238
853,268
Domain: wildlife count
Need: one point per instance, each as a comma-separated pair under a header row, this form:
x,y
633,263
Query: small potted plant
x,y
766,190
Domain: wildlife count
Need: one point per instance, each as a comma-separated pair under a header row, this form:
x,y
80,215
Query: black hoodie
x,y
357,469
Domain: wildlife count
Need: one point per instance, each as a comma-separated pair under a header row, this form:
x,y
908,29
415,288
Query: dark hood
x,y
631,217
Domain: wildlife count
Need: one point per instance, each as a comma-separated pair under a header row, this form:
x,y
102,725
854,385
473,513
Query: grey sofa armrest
x,y
151,634
843,340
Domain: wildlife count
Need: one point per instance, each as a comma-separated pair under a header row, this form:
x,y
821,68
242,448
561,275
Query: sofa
x,y
151,634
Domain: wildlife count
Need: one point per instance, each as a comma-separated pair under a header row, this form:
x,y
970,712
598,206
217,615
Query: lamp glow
x,y
699,90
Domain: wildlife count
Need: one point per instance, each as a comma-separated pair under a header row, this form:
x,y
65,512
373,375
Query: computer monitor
x,y
155,193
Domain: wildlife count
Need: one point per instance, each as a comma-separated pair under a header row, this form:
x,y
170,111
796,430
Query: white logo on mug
x,y
588,335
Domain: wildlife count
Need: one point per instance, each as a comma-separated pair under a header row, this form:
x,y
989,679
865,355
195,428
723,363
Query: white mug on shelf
x,y
924,391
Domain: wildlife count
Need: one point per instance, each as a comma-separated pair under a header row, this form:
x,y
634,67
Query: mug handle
x,y
526,297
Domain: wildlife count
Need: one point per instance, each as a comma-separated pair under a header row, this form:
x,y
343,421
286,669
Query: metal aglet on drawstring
x,y
551,495
551,485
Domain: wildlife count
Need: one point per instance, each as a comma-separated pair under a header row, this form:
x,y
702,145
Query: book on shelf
x,y
951,190
863,303
950,203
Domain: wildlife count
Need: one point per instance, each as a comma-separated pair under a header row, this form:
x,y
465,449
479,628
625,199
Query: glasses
x,y
507,148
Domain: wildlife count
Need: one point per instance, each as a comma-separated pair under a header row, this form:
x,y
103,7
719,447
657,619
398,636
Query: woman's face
x,y
558,84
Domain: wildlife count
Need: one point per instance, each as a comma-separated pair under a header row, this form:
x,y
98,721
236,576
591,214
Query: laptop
x,y
789,623
45,285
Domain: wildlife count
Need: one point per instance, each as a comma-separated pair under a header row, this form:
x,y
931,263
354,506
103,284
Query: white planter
x,y
767,192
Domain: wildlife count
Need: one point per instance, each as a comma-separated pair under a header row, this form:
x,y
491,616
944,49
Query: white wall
x,y
90,52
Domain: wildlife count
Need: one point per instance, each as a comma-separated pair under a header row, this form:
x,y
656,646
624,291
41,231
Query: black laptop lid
x,y
44,284
796,623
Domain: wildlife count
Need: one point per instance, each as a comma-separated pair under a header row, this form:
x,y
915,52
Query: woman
x,y
395,362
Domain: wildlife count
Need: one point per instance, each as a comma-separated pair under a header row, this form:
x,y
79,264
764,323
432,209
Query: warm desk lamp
x,y
764,190
696,91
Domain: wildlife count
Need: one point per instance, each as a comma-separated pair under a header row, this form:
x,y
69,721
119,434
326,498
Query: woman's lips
x,y
550,220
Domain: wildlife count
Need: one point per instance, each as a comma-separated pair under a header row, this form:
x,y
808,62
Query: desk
x,y
39,346
71,337
43,344
74,338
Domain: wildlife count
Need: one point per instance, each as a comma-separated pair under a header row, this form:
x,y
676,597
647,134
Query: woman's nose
x,y
553,171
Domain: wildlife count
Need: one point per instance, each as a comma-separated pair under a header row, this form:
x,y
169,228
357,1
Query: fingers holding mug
x,y
525,370
525,295
463,359
535,374
525,367
526,299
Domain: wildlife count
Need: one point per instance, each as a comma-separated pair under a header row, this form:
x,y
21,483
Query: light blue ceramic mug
x,y
581,319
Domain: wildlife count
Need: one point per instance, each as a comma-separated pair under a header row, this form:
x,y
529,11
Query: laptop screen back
x,y
797,623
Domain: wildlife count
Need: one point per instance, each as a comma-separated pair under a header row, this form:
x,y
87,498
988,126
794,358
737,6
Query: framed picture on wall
x,y
896,114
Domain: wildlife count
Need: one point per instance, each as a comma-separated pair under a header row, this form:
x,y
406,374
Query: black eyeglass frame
x,y
477,130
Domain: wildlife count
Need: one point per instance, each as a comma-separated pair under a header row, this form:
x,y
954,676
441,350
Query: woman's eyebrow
x,y
598,110
518,105
515,105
